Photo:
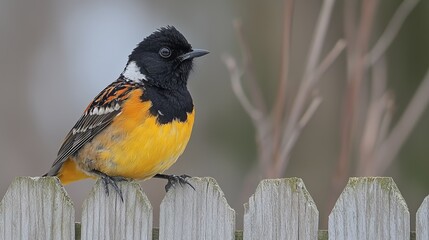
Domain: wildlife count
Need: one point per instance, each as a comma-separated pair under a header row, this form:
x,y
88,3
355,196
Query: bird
x,y
139,125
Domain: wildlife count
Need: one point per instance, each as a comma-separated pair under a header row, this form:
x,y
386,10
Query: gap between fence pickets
x,y
45,199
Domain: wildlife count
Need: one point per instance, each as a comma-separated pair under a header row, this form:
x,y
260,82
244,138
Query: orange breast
x,y
136,146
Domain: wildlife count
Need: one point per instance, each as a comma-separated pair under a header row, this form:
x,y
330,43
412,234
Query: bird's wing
x,y
98,115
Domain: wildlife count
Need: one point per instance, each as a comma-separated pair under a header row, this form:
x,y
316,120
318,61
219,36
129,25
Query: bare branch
x,y
319,38
370,135
293,137
350,30
235,75
400,132
389,103
280,102
314,105
356,73
392,29
287,36
255,90
377,108
379,78
308,77
330,58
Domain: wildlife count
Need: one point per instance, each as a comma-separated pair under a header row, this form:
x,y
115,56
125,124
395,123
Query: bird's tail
x,y
69,172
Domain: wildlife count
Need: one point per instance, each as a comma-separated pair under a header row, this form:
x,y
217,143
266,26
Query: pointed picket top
x,y
36,208
370,208
281,209
422,221
107,217
200,214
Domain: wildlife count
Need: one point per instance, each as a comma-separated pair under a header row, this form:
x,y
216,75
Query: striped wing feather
x,y
99,114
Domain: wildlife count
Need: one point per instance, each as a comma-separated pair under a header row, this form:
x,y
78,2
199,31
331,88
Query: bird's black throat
x,y
168,105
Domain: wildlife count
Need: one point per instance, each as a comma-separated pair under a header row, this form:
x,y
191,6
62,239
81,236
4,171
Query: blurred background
x,y
55,56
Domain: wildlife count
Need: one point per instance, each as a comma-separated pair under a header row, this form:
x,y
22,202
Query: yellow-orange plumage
x,y
133,146
69,172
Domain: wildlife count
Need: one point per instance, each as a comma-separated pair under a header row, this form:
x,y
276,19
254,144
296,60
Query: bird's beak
x,y
193,54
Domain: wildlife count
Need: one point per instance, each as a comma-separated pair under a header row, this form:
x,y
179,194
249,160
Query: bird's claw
x,y
108,180
174,179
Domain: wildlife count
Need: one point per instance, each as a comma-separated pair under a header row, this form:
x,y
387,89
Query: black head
x,y
163,59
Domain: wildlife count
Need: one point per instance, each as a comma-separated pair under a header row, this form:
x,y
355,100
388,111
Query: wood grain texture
x,y
200,214
281,209
370,208
422,220
107,217
36,208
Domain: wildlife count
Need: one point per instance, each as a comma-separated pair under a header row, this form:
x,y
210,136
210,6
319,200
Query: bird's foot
x,y
174,179
106,179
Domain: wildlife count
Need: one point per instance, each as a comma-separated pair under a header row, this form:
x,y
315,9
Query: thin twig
x,y
308,114
392,29
369,136
279,167
386,120
262,125
287,36
356,74
369,163
247,69
321,69
235,75
350,29
308,79
330,58
400,132
368,160
374,117
280,102
319,38
379,78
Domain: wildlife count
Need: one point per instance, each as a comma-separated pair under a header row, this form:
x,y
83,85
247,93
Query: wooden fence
x,y
368,208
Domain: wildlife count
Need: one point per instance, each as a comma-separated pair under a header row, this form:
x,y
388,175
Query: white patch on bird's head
x,y
132,73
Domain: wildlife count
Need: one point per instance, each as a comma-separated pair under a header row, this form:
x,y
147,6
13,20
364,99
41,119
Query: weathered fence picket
x,y
107,217
281,209
36,208
422,221
200,214
368,208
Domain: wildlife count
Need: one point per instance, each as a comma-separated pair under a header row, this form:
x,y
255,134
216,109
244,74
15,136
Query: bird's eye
x,y
165,52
